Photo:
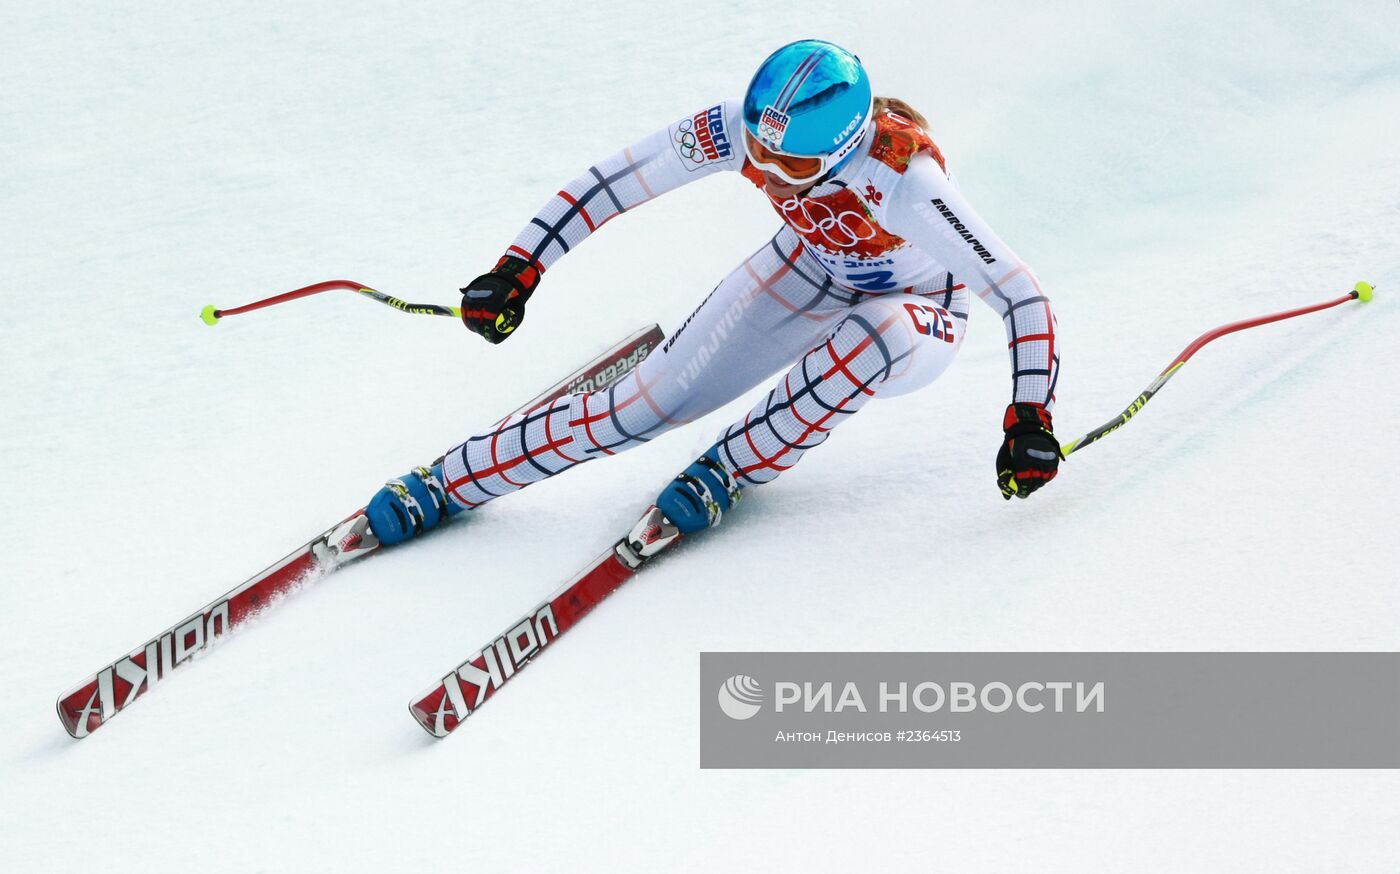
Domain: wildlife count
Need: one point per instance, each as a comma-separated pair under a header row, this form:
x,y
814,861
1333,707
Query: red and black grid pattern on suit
x,y
789,248
574,220
837,379
1029,322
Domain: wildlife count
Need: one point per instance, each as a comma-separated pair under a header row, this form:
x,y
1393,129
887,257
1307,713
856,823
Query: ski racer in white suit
x,y
862,293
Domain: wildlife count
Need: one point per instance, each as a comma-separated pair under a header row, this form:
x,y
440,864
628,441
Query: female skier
x,y
862,293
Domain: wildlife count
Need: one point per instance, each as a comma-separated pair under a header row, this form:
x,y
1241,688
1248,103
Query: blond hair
x,y
899,107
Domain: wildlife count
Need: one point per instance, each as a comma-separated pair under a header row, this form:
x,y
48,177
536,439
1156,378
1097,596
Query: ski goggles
x,y
793,169
798,169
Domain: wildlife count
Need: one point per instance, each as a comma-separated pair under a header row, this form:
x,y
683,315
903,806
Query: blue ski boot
x,y
700,495
415,502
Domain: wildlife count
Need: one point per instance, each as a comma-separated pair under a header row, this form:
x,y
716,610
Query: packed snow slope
x,y
1165,167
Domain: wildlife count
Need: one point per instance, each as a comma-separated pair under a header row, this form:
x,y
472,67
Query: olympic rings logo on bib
x,y
809,216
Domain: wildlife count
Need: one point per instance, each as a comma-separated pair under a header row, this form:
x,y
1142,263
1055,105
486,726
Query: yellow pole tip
x,y
209,315
1364,291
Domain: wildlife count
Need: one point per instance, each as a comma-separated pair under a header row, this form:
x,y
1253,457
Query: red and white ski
x,y
112,689
462,692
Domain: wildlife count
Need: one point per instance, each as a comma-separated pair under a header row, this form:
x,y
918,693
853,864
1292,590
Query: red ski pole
x,y
1361,292
211,315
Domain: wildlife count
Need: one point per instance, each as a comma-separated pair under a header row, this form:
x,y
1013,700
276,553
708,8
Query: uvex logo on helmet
x,y
850,126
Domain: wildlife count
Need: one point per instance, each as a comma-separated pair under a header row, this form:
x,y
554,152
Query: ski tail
x,y
87,707
463,690
101,696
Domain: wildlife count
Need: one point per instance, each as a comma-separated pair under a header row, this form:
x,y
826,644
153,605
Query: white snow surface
x,y
1165,167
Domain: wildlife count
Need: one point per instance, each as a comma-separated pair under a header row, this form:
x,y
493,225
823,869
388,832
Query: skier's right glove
x,y
493,304
1030,455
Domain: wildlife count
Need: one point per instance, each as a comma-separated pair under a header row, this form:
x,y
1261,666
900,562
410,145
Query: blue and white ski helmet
x,y
810,98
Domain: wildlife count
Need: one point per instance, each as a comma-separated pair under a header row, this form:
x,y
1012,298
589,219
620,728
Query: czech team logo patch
x,y
772,125
702,138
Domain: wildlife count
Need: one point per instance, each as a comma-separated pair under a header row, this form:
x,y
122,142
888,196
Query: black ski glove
x,y
493,304
1030,455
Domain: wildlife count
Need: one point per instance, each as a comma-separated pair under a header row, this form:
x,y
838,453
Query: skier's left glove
x,y
1030,455
493,304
